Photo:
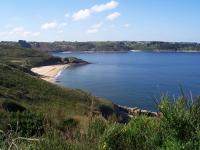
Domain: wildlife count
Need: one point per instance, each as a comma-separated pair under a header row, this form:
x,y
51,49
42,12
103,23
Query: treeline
x,y
106,45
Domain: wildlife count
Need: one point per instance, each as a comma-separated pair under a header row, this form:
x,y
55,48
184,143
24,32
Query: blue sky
x,y
100,20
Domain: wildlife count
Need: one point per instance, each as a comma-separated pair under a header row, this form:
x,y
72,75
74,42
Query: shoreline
x,y
134,50
167,51
51,72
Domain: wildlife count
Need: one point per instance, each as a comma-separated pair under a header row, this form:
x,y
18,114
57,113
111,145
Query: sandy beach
x,y
49,73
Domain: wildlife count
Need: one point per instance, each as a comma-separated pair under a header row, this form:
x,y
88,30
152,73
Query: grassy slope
x,y
23,57
38,95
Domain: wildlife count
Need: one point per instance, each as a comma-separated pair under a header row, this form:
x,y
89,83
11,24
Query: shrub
x,y
177,117
180,121
53,140
106,111
96,128
113,138
12,106
140,133
3,120
27,123
70,124
70,128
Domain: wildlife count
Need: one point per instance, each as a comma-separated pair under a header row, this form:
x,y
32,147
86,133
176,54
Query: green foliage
x,y
178,128
177,117
41,95
4,116
96,128
12,106
27,123
70,128
181,122
140,133
70,124
53,140
23,57
73,60
113,138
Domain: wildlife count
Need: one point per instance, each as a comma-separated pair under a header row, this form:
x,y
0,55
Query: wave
x,y
135,50
66,52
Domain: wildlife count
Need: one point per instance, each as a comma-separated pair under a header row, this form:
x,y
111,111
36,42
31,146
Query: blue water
x,y
134,78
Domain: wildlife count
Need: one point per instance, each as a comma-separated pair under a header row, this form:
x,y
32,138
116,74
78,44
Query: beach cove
x,y
49,73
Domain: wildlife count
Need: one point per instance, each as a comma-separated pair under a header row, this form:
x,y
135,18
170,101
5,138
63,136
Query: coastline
x,y
50,73
167,51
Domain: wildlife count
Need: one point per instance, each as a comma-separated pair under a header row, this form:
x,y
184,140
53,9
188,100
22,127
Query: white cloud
x,y
49,25
111,26
67,15
53,25
127,25
36,33
86,13
107,6
61,25
113,16
8,26
20,32
81,15
95,28
98,25
60,31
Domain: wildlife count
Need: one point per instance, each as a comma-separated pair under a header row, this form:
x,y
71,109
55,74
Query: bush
x,y
177,117
70,127
106,111
27,123
53,140
140,133
178,128
180,121
113,138
12,106
4,120
96,128
70,124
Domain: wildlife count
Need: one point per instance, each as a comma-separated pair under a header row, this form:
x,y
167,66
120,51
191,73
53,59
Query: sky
x,y
100,20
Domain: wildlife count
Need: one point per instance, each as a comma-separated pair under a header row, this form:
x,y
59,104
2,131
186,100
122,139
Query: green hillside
x,y
21,89
106,45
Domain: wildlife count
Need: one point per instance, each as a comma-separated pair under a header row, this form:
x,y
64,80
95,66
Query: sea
x,y
134,78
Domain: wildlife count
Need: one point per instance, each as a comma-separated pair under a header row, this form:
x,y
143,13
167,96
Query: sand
x,y
49,73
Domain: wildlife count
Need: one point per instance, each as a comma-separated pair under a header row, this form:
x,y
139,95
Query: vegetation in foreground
x,y
178,128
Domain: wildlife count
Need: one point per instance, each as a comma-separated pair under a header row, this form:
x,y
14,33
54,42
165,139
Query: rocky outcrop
x,y
125,113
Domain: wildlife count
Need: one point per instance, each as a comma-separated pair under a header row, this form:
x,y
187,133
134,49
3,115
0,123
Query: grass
x,y
41,96
28,103
176,129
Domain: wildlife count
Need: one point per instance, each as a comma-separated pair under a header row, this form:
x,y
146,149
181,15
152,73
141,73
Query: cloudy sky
x,y
100,20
